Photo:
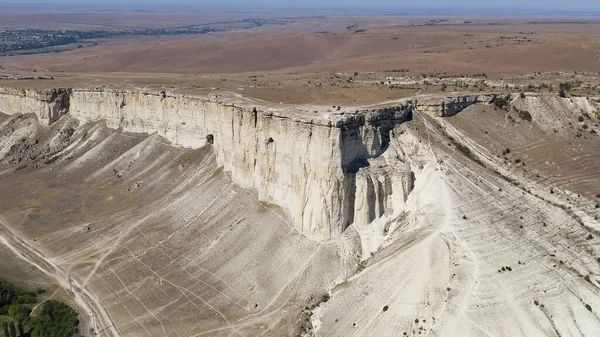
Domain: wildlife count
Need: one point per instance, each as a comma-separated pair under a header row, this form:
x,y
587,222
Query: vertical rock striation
x,y
327,171
48,105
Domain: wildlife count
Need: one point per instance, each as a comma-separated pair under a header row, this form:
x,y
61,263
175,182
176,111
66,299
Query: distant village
x,y
36,40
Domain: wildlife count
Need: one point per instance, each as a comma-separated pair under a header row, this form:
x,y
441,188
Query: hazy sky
x,y
503,5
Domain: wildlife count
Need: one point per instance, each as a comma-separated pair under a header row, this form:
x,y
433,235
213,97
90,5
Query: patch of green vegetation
x,y
564,88
361,266
500,103
525,115
11,295
55,319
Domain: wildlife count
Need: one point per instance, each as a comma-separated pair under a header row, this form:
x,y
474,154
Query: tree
x,y
500,103
5,328
12,330
55,320
19,313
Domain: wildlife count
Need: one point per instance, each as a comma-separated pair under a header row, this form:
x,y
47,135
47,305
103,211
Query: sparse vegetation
x,y
500,103
525,115
564,88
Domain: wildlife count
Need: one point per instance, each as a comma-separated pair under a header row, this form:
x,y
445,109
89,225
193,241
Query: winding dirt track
x,y
85,300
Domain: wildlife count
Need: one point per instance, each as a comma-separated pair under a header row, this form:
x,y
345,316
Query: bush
x,y
500,103
564,88
562,93
525,115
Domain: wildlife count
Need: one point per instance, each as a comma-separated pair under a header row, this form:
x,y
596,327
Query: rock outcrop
x,y
48,105
322,169
450,106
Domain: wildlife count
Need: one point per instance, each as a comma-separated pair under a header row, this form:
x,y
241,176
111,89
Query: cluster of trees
x,y
501,103
54,319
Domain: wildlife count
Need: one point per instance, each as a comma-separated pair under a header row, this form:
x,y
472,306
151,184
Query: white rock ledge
x,y
312,166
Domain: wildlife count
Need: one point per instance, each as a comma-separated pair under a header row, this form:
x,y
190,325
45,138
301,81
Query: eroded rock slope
x,y
421,227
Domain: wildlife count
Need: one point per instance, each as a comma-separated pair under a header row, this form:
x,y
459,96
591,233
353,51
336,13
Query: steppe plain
x,y
497,237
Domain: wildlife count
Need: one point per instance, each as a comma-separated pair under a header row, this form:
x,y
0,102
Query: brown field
x,y
294,63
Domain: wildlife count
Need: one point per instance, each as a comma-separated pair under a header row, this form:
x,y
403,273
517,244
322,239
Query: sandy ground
x,y
168,241
225,260
162,243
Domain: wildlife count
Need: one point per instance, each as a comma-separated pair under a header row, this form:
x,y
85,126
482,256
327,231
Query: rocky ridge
x,y
325,170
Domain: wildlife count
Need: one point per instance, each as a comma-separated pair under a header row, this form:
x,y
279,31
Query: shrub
x,y
562,93
500,103
525,115
564,88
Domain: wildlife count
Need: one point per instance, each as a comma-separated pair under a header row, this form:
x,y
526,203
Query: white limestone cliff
x,y
450,106
326,171
48,105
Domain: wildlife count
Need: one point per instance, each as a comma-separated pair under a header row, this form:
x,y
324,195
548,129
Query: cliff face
x,y
450,106
323,169
48,105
